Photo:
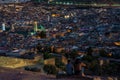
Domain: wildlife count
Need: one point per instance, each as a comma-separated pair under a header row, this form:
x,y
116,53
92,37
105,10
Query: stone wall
x,y
15,62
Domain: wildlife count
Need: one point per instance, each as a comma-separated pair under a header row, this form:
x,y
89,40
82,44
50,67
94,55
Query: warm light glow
x,y
66,16
110,54
117,43
55,15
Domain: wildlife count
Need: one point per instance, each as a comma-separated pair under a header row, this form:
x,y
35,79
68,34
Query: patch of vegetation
x,y
50,69
34,69
60,64
47,55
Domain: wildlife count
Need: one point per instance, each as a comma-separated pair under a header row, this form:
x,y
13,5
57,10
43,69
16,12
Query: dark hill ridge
x,y
82,1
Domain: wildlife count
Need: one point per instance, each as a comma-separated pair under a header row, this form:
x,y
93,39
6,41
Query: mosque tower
x,y
35,26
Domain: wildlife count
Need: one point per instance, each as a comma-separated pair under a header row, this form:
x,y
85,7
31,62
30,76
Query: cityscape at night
x,y
59,39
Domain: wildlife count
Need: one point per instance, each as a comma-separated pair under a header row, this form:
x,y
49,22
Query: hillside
x,y
17,74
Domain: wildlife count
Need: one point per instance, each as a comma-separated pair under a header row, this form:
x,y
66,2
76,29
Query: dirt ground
x,y
18,74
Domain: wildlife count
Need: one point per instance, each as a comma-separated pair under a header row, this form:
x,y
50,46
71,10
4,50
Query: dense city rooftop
x,y
40,31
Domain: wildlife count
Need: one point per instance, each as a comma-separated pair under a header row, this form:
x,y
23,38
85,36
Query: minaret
x,y
12,27
35,26
48,18
47,33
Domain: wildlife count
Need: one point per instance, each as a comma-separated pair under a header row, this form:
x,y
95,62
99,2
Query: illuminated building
x,y
3,27
35,26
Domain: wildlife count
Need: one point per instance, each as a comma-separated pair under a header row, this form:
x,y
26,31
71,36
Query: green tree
x,y
72,54
47,48
47,55
89,51
59,64
38,47
43,34
111,69
50,69
103,53
88,58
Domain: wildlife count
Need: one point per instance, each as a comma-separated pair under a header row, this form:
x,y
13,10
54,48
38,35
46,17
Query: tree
x,y
103,53
111,69
88,58
43,34
72,54
59,64
92,64
50,69
47,55
89,51
38,47
47,48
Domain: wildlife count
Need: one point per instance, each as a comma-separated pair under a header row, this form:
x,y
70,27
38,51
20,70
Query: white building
x,y
13,1
3,27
